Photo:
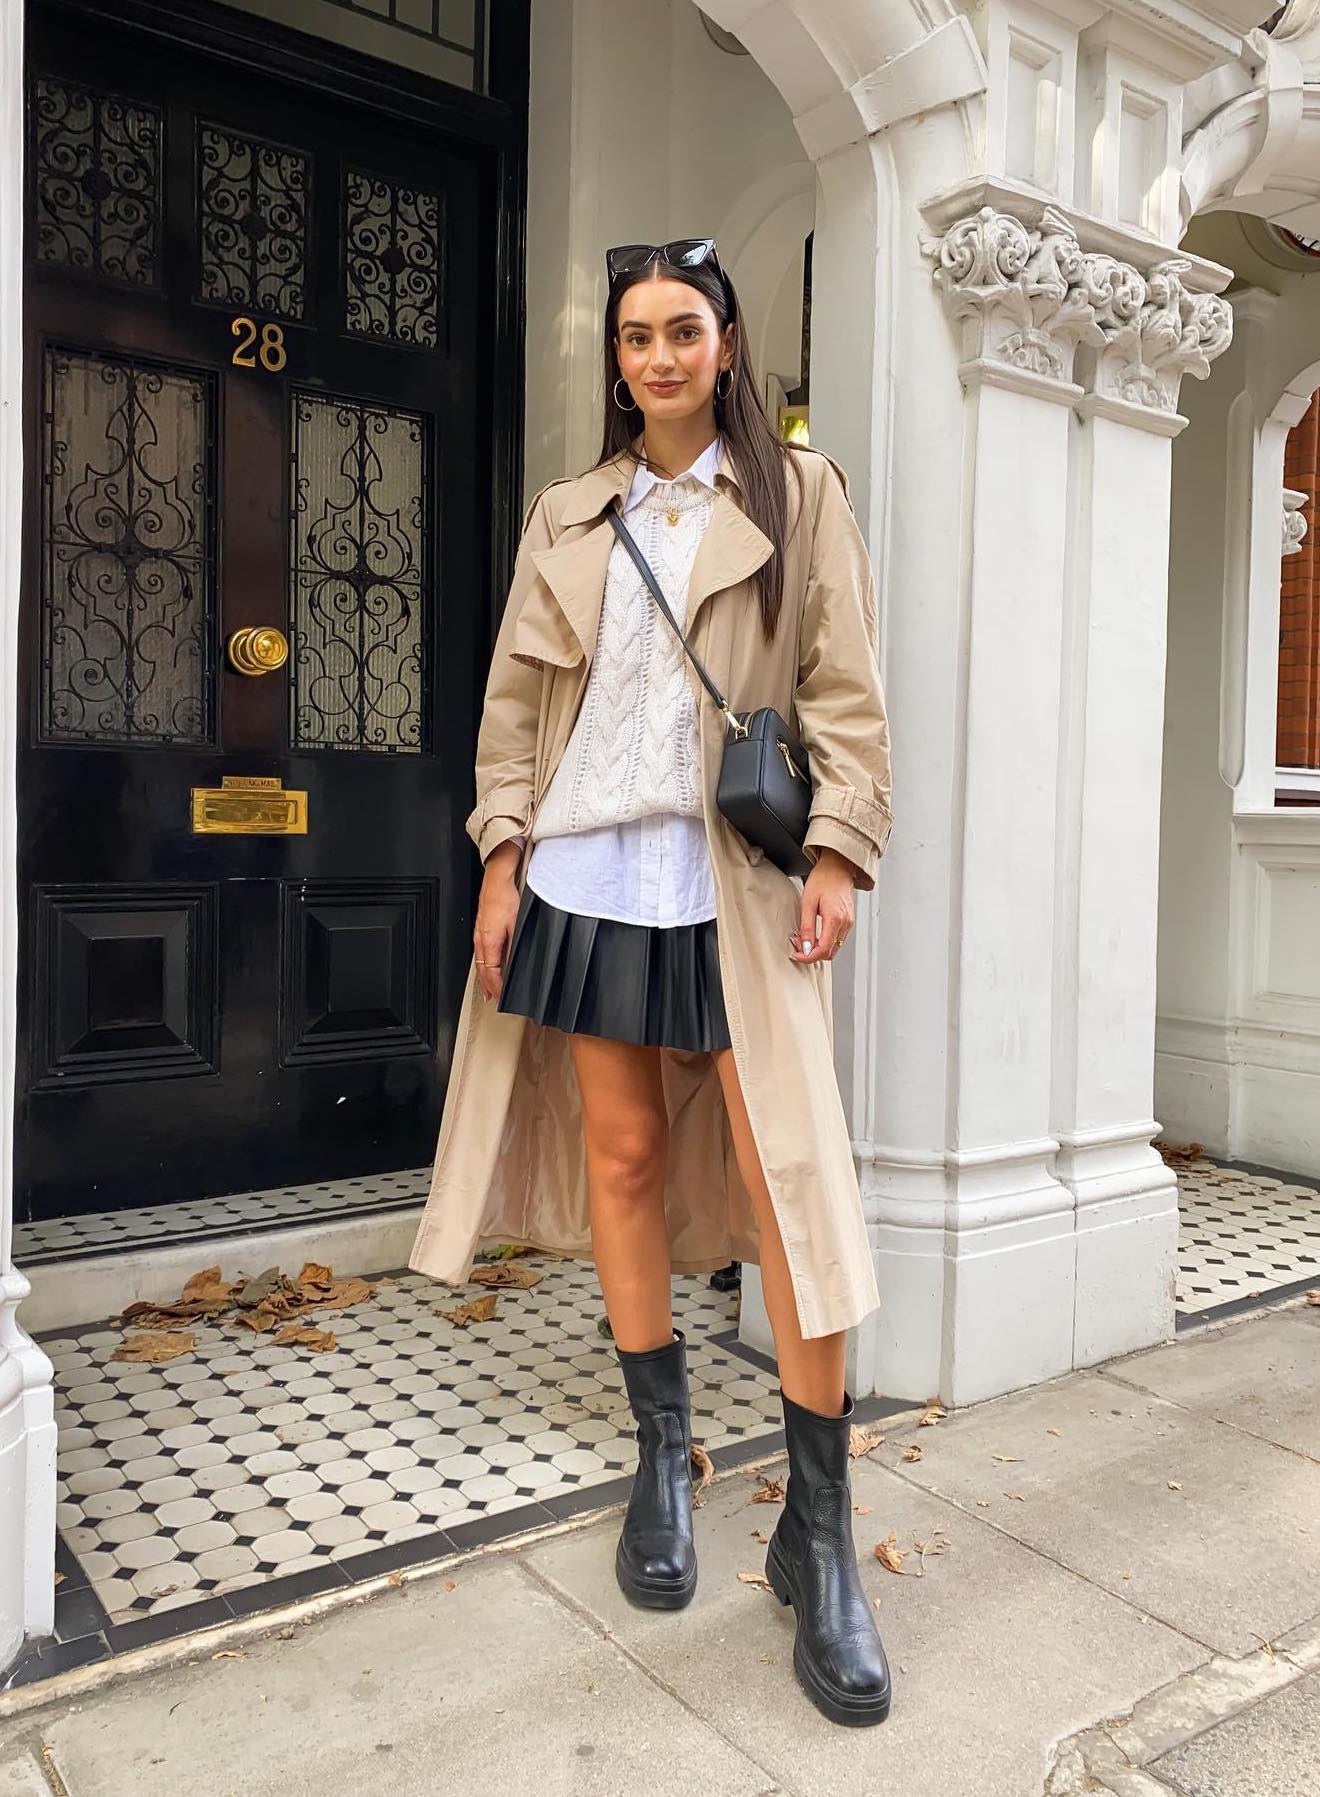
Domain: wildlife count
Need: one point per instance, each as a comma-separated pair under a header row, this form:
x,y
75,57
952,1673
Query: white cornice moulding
x,y
1287,826
1124,411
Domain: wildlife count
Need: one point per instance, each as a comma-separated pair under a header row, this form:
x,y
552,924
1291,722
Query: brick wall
x,y
1298,741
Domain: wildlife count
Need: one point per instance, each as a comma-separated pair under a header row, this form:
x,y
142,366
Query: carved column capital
x,y
1009,284
1154,331
1029,295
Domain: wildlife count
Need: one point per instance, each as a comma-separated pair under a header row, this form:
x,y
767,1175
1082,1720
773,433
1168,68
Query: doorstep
x,y
83,1269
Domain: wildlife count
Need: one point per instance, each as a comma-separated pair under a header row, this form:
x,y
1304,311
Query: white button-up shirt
x,y
648,870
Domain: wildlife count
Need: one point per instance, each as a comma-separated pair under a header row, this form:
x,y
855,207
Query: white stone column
x,y
961,1168
1149,330
27,1426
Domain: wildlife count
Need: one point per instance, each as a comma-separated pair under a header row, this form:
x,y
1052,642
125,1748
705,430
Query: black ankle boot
x,y
811,1564
656,1561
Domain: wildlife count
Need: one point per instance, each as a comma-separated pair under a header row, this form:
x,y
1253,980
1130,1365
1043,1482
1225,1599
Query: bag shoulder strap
x,y
653,587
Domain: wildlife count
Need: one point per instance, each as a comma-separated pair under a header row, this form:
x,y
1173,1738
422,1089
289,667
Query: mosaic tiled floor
x,y
1243,1234
207,1474
244,1475
153,1226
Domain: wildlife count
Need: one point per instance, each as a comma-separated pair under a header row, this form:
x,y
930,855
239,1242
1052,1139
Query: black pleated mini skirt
x,y
596,976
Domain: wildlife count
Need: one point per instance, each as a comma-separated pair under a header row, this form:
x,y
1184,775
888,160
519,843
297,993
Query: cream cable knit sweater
x,y
634,748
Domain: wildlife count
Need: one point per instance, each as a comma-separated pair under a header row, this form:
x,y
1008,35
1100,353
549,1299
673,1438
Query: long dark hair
x,y
761,455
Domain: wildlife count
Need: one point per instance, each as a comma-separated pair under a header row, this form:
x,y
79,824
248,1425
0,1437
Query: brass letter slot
x,y
255,807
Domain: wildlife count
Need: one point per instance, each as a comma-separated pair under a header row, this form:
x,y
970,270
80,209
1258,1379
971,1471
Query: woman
x,y
643,1073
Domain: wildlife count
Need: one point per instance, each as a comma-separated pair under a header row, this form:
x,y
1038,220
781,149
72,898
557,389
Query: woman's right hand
x,y
497,912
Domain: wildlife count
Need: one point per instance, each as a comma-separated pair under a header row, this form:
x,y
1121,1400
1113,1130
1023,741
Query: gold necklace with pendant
x,y
672,513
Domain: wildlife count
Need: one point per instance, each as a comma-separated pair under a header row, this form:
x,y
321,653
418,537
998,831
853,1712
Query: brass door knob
x,y
258,649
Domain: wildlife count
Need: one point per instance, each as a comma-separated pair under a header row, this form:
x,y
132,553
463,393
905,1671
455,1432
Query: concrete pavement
x,y
1119,1591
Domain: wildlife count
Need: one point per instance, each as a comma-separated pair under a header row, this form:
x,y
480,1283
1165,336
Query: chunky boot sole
x,y
840,1706
653,1594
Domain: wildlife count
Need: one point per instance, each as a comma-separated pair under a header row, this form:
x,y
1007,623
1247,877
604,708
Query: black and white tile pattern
x,y
246,1213
243,1460
1244,1233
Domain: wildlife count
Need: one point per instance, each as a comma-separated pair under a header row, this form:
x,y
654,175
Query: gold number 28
x,y
270,350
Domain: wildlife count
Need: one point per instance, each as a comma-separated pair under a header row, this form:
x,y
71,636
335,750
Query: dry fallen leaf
x,y
306,1335
861,1509
755,1578
478,1310
862,1440
1054,1431
395,1579
1015,1457
1177,1154
761,1536
771,1491
890,1555
449,1585
705,1466
506,1272
1313,1297
59,1578
934,1411
912,1451
1016,1496
1174,1485
262,1302
155,1346
229,1653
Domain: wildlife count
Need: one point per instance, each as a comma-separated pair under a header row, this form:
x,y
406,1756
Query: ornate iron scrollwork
x,y
358,579
97,169
252,202
392,271
128,566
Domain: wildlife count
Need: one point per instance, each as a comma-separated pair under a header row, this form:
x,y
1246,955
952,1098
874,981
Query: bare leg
x,y
810,1372
626,1132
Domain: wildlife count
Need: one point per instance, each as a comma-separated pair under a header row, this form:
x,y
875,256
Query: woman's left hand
x,y
827,910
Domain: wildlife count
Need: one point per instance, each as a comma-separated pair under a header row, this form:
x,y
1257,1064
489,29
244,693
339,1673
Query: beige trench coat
x,y
510,1162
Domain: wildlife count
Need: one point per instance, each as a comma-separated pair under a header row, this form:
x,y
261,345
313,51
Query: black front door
x,y
255,358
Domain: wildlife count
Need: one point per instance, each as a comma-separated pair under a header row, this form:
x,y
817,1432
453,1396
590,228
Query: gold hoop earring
x,y
624,405
729,389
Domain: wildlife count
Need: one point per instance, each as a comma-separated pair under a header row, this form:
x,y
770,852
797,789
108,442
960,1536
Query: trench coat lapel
x,y
732,548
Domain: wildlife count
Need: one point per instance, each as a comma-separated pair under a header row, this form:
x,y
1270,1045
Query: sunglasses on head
x,y
684,252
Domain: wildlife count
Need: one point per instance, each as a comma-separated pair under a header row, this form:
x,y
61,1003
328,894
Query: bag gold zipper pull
x,y
789,763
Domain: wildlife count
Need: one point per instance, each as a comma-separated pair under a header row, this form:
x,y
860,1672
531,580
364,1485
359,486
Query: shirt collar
x,y
703,469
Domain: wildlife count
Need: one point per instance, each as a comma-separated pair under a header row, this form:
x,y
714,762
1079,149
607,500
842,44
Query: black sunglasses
x,y
684,252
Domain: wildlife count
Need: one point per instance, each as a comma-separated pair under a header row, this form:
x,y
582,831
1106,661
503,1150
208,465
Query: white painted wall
x,y
643,130
1238,1028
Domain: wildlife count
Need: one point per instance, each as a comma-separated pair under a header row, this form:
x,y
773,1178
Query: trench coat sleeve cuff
x,y
841,818
500,817
826,834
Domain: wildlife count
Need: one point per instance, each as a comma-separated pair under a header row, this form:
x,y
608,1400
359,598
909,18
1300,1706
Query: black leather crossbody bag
x,y
764,787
